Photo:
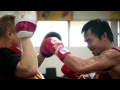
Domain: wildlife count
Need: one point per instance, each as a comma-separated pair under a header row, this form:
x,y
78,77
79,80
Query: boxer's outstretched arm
x,y
102,62
40,59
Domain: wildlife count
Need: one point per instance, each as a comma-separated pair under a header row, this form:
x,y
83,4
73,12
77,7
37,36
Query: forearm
x,y
28,58
74,63
40,59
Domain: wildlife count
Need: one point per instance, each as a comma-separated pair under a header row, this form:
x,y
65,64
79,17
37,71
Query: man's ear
x,y
9,34
105,36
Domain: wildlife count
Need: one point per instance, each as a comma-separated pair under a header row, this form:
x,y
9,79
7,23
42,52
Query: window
x,y
118,31
44,27
76,38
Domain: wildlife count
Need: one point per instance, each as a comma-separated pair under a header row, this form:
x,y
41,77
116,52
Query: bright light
x,y
44,27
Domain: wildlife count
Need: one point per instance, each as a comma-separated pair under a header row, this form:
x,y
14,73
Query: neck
x,y
110,45
4,43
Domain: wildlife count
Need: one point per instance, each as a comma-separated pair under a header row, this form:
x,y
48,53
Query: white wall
x,y
53,61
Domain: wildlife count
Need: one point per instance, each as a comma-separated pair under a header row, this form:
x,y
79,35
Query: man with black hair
x,y
99,37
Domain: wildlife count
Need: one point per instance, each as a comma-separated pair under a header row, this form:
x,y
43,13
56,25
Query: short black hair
x,y
98,27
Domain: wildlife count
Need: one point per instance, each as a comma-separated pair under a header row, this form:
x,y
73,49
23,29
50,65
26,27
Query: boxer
x,y
99,37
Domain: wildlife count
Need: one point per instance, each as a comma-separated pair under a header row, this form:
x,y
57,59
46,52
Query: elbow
x,y
24,71
80,70
31,72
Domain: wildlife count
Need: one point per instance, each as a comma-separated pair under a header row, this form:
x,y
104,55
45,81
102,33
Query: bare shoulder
x,y
106,59
108,55
111,54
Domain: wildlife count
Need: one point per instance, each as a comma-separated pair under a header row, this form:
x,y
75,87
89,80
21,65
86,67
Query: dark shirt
x,y
8,62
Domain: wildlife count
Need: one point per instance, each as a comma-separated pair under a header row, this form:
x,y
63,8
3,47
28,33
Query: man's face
x,y
16,40
94,43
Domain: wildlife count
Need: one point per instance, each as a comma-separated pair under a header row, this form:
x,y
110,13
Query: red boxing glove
x,y
70,74
55,46
16,49
25,22
46,52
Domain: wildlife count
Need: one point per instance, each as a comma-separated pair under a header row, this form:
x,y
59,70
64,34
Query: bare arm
x,y
40,59
28,65
102,62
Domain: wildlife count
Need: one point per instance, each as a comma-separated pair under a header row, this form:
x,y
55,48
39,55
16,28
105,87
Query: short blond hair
x,y
6,23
